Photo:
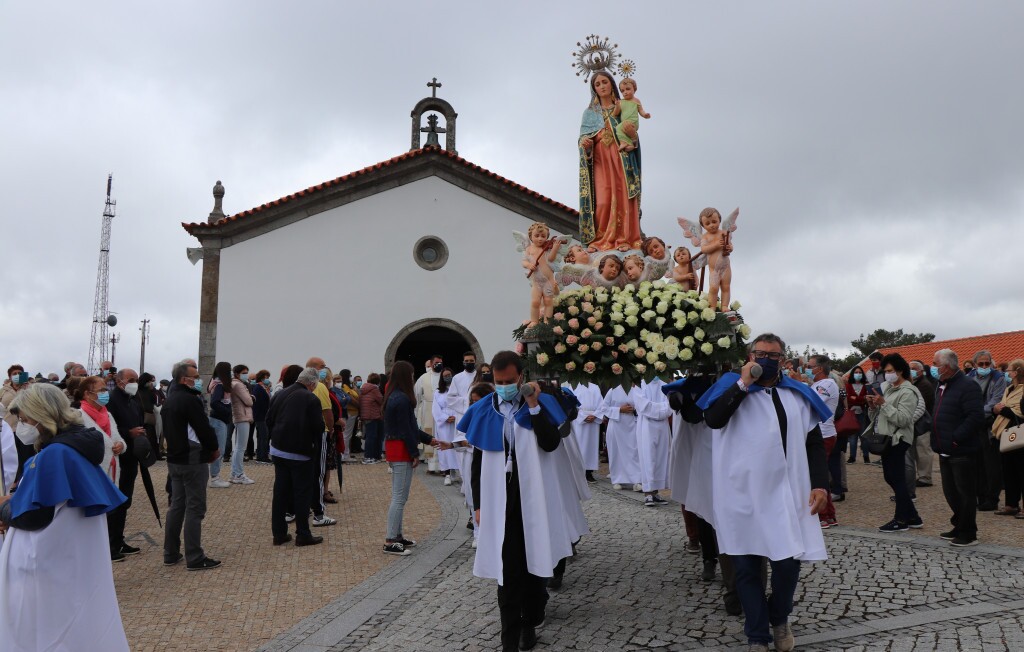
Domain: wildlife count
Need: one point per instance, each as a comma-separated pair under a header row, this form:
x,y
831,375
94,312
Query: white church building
x,y
431,266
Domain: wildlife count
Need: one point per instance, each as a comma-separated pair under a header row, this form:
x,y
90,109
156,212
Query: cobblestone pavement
x,y
632,587
261,590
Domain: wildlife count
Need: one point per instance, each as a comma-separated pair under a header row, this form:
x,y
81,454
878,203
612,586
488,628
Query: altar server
x,y
445,417
586,427
462,382
770,480
523,531
623,459
654,437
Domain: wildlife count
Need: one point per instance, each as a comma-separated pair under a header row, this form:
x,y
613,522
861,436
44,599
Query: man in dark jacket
x,y
924,459
990,463
957,420
296,423
191,446
127,412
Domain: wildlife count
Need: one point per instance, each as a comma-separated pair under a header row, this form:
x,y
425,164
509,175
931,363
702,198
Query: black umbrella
x,y
144,452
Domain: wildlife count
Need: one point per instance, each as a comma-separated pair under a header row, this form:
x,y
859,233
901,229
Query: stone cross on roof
x,y
434,85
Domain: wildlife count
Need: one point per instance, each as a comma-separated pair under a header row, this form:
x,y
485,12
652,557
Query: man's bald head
x,y
316,363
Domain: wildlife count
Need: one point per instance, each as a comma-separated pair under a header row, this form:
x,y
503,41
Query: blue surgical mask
x,y
809,373
935,373
984,371
323,374
359,383
858,377
1009,378
266,381
913,373
507,392
103,397
243,377
198,384
769,368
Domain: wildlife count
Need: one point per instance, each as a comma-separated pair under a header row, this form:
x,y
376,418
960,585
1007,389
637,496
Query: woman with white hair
x,y
56,581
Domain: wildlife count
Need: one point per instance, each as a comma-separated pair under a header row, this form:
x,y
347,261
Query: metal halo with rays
x,y
594,54
627,68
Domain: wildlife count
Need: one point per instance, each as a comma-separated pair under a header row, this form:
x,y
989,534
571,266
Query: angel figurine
x,y
540,251
607,274
656,258
712,235
576,263
684,273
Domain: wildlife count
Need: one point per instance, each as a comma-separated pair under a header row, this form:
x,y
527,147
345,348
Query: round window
x,y
430,252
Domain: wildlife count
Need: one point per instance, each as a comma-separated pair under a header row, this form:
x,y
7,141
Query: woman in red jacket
x,y
856,401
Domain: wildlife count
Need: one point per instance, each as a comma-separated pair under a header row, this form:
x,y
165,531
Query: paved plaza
x,y
631,587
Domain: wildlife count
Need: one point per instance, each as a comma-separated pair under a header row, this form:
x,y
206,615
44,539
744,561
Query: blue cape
x,y
729,379
677,385
484,425
59,473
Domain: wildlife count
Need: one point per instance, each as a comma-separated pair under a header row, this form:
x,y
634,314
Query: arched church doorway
x,y
420,340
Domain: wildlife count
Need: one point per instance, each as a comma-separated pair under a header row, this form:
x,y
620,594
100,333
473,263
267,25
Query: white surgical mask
x,y
26,433
131,389
890,378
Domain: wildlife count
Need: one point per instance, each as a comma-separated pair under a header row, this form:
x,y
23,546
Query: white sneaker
x,y
447,480
474,544
289,518
638,487
217,483
242,479
322,522
617,486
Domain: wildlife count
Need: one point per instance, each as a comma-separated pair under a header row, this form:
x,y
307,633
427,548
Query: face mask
x,y
359,383
858,377
890,378
131,389
487,378
809,373
338,385
447,378
1009,377
769,368
243,377
104,373
984,371
163,388
103,397
469,366
438,368
323,374
198,384
149,385
913,374
935,373
266,381
876,365
507,392
26,433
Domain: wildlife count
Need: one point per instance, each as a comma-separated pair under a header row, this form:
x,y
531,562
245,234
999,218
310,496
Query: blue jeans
x,y
374,438
241,442
221,430
760,611
401,481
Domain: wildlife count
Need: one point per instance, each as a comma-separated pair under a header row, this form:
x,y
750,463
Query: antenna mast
x,y
145,340
101,317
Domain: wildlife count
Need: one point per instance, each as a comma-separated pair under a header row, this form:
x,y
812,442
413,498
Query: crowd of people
x,y
758,493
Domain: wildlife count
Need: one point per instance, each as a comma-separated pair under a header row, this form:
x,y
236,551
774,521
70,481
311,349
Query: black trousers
x,y
708,540
1013,476
960,487
990,471
126,483
522,598
293,485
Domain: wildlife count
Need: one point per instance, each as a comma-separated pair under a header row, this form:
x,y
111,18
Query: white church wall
x,y
280,301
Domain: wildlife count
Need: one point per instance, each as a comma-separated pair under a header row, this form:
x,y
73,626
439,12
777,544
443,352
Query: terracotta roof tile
x,y
425,151
1003,346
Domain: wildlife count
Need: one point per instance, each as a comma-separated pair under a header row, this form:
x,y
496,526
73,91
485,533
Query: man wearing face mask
x,y
191,446
957,422
990,467
426,385
127,412
458,393
16,380
516,496
923,458
767,504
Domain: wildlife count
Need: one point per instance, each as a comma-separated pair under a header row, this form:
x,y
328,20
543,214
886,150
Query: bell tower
x,y
438,105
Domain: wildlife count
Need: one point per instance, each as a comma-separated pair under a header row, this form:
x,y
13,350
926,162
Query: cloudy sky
x,y
874,147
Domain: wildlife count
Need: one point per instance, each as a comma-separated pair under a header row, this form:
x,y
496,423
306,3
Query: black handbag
x,y
874,442
923,425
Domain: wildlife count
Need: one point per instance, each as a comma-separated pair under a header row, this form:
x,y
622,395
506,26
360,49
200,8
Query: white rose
x,y
640,368
699,334
686,354
647,302
688,341
660,367
631,321
662,307
619,331
648,315
632,309
671,351
744,331
707,314
660,321
735,305
706,348
570,366
652,357
559,348
542,359
724,342
692,316
616,316
573,310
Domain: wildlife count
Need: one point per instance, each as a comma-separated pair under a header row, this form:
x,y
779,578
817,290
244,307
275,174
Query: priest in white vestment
x,y
520,509
653,438
426,385
770,480
586,427
623,459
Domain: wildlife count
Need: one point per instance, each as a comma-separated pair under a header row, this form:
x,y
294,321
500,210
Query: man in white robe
x,y
462,382
623,459
426,385
770,481
586,427
653,436
517,496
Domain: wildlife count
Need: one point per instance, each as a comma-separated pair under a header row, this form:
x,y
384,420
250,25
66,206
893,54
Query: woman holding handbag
x,y
1009,414
896,408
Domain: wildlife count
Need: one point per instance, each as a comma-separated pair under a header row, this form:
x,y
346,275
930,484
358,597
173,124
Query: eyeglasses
x,y
981,363
771,355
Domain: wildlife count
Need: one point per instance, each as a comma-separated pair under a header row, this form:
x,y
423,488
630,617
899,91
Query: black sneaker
x,y
894,526
915,523
205,564
963,542
129,550
658,499
395,549
708,574
170,561
116,556
408,543
590,477
949,536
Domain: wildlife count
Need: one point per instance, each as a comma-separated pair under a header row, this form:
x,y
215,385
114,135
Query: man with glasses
x,y
990,469
770,483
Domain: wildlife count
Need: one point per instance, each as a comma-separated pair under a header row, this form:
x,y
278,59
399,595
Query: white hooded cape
x,y
623,459
587,435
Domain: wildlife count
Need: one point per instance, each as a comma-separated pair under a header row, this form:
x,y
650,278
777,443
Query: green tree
x,y
883,339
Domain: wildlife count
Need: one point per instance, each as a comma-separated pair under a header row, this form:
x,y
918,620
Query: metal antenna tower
x,y
101,317
145,341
